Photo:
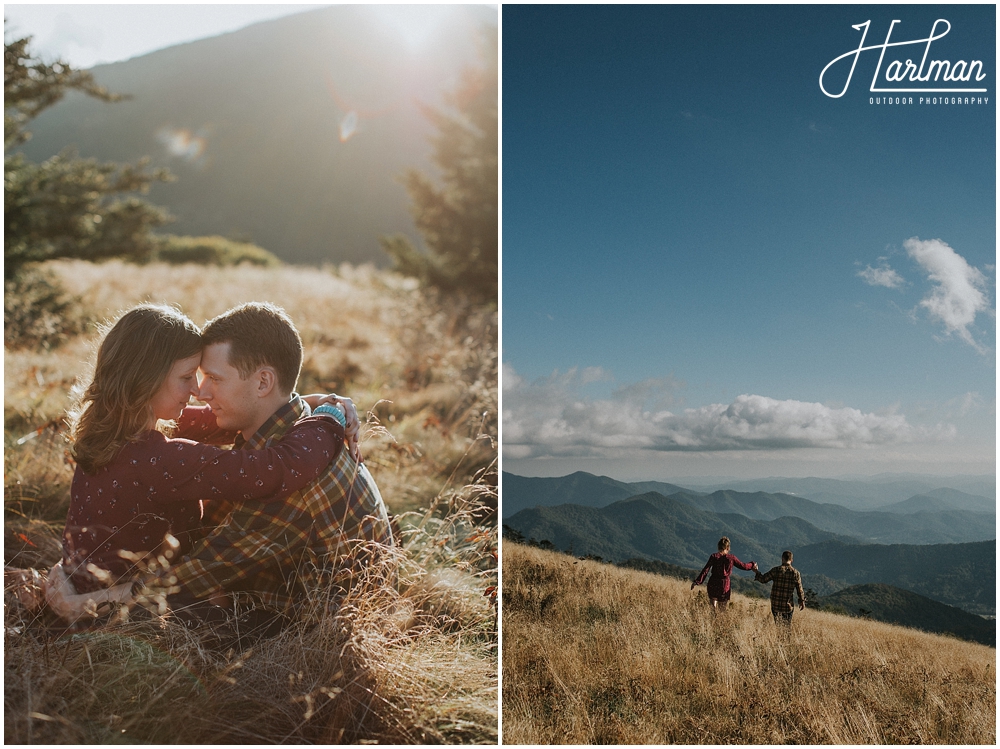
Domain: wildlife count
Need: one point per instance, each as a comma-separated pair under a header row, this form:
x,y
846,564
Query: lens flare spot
x,y
183,144
348,126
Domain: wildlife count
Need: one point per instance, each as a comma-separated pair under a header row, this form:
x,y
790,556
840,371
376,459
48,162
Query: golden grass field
x,y
595,654
418,665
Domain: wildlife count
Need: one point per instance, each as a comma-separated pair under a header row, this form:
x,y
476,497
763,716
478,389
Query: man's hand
x,y
692,585
71,606
802,605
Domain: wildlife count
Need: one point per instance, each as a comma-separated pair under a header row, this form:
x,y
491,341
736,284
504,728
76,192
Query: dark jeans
x,y
782,617
232,628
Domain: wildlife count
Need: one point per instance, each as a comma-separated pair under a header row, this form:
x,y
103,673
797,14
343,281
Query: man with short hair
x,y
787,581
272,551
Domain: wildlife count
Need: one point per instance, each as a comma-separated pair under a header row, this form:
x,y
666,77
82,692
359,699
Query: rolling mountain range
x,y
937,517
289,133
869,494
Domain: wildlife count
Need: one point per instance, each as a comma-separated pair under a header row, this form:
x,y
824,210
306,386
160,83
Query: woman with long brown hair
x,y
137,492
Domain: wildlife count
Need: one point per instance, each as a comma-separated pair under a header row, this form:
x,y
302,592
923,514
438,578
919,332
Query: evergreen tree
x,y
458,219
65,206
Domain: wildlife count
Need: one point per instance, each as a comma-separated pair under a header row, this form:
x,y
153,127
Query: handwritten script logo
x,y
897,70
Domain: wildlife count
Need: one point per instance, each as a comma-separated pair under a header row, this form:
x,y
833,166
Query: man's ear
x,y
267,381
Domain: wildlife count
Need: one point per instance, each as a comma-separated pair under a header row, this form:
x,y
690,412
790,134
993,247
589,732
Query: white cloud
x,y
959,291
549,418
881,276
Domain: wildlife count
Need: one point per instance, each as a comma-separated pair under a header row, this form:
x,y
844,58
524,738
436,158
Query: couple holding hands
x,y
786,579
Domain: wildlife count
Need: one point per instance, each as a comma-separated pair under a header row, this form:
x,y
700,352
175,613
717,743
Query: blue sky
x,y
710,267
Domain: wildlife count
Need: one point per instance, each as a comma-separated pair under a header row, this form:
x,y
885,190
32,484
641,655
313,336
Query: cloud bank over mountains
x,y
549,417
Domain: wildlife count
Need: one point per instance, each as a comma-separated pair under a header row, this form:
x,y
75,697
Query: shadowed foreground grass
x,y
414,666
596,654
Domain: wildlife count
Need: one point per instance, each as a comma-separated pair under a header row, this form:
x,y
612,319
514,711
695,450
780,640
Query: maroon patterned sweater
x,y
155,485
721,565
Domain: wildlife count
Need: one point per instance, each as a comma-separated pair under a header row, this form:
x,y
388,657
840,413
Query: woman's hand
x,y
353,426
71,606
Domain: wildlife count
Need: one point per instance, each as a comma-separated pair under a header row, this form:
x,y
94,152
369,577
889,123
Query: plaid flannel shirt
x,y
277,549
787,581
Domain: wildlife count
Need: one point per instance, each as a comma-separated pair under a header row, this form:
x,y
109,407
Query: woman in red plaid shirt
x,y
721,565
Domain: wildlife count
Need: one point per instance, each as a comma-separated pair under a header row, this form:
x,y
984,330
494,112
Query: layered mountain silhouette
x,y
939,500
290,133
871,493
940,516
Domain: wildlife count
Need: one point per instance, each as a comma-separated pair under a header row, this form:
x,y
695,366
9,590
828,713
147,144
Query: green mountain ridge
x,y
886,603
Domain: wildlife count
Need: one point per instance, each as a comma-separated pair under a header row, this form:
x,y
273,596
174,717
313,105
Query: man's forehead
x,y
215,358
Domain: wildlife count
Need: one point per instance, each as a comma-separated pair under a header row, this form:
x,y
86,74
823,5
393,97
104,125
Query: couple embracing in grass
x,y
786,579
161,514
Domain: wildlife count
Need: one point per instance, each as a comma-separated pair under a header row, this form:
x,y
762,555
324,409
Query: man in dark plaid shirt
x,y
275,550
787,581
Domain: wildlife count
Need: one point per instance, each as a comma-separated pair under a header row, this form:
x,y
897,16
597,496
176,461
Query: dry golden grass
x,y
596,654
414,666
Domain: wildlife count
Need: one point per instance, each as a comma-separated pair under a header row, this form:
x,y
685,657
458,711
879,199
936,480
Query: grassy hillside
x,y
596,654
414,666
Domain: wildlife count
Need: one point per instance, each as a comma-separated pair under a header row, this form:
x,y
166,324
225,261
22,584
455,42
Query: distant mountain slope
x,y
652,526
886,603
962,575
580,488
939,500
290,132
865,494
